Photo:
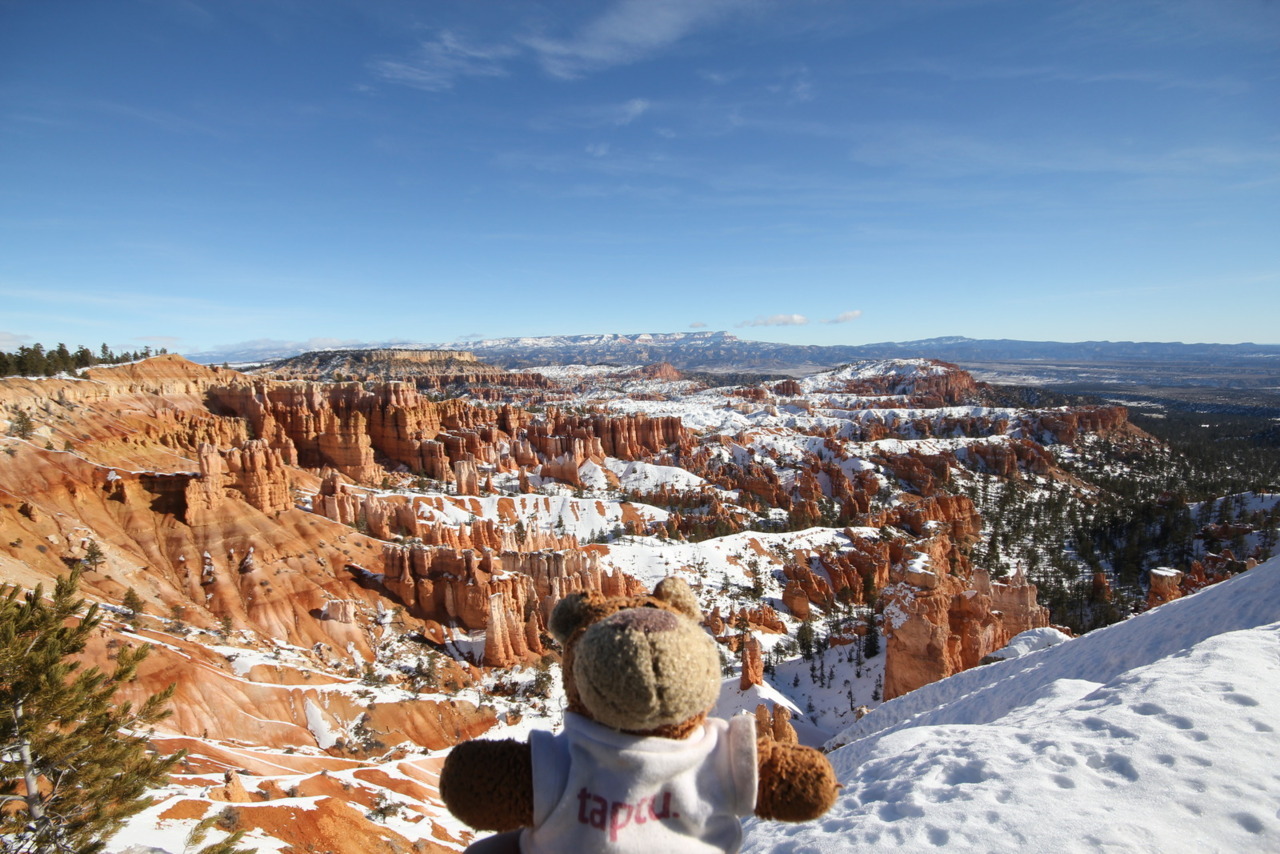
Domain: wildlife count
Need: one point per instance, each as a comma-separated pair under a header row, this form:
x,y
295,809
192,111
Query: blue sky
x,y
192,174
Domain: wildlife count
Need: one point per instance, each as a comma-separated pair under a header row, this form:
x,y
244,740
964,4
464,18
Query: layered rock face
x,y
940,615
626,438
145,416
350,427
456,586
341,425
937,624
255,471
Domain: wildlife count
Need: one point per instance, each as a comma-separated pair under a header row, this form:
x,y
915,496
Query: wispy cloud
x,y
952,151
166,341
630,31
719,78
632,110
796,86
595,116
697,324
440,63
959,70
12,341
777,320
162,119
844,317
109,301
1175,22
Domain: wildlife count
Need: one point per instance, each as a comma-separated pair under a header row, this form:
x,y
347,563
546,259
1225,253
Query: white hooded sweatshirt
x,y
599,790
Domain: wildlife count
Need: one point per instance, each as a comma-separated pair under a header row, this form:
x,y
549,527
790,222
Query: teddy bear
x,y
639,765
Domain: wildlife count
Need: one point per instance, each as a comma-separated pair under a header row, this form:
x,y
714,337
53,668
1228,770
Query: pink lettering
x,y
616,809
615,816
666,807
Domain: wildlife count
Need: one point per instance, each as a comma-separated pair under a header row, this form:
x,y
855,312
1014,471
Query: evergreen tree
x,y
93,556
133,602
74,763
871,641
226,846
21,425
805,638
60,359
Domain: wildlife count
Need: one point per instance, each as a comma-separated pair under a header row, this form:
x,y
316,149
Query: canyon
x,y
345,577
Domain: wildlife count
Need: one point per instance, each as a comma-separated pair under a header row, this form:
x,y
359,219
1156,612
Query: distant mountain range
x,y
722,351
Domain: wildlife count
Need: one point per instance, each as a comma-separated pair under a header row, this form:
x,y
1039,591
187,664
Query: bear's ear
x,y
677,593
568,616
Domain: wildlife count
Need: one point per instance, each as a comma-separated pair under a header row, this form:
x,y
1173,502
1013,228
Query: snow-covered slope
x,y
1155,735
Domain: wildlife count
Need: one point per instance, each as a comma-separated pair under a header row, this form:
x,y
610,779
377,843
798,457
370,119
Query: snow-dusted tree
x,y
74,763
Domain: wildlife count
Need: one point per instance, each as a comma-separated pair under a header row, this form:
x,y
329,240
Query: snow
x,y
1154,735
1032,640
581,517
318,725
648,477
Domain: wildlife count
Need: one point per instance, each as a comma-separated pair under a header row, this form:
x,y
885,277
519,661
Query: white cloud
x,y
439,64
598,149
844,317
719,78
697,324
10,341
796,86
628,32
777,320
166,341
631,111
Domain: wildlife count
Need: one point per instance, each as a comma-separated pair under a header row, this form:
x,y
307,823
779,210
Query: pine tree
x,y
21,425
74,763
871,641
93,556
226,846
805,639
133,602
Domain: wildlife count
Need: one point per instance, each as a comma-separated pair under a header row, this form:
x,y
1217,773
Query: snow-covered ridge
x,y
559,341
1157,734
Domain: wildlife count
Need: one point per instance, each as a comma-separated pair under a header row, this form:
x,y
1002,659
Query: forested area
x,y
1203,491
36,361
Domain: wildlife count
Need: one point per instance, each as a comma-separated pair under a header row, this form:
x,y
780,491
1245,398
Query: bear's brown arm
x,y
797,783
488,785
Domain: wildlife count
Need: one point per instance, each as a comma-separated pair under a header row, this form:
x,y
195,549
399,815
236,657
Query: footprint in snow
x,y
1248,822
1115,764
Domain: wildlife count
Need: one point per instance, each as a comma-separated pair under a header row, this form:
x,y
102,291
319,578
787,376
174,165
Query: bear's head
x,y
638,664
